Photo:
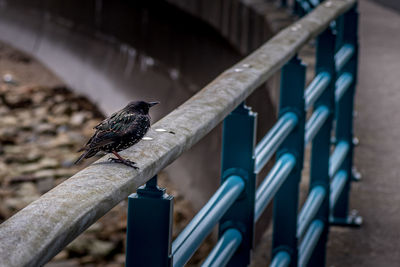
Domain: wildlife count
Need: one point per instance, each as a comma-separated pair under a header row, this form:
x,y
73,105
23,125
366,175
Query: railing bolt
x,y
356,175
354,218
356,141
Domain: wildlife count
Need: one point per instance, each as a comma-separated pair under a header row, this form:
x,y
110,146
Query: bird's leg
x,y
121,160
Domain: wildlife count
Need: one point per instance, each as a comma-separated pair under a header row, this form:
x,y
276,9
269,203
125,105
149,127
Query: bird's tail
x,y
85,155
81,157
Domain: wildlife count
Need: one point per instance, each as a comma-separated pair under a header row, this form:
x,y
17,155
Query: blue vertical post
x,y
339,28
148,236
321,145
286,199
297,9
238,144
348,34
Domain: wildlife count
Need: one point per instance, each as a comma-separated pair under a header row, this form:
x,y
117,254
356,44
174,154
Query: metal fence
x,y
38,232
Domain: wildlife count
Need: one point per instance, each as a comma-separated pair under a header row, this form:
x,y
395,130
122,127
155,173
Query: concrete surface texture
x,y
395,4
377,196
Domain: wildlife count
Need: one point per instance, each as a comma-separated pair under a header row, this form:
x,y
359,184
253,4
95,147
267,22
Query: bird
x,y
121,130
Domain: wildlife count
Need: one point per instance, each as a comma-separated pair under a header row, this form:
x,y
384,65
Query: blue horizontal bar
x,y
316,88
342,84
337,157
337,186
272,182
309,242
272,140
310,209
317,119
224,249
201,225
282,259
343,55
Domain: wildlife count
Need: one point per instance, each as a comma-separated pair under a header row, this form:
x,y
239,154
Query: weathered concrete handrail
x,y
42,229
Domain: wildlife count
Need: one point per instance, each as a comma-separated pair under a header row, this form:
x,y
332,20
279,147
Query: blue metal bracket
x,y
302,7
321,146
352,220
347,34
238,158
286,199
149,220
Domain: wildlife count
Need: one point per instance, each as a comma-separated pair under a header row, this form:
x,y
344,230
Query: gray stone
x,y
45,163
44,185
26,194
45,128
78,118
99,248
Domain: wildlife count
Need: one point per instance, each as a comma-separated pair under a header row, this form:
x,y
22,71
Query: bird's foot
x,y
126,162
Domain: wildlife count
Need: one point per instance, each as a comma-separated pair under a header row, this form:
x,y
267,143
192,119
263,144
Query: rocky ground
x,y
42,125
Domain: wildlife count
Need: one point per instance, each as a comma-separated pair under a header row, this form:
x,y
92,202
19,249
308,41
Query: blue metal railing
x,y
310,209
337,158
337,186
316,121
342,84
281,259
298,239
309,242
272,182
224,249
316,88
197,230
302,7
271,141
343,56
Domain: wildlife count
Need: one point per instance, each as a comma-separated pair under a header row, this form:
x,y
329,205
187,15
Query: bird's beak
x,y
153,103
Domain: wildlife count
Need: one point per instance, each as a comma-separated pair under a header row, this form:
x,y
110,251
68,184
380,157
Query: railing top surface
x,y
38,232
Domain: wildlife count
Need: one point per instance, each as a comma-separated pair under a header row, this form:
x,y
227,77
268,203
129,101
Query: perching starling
x,y
120,131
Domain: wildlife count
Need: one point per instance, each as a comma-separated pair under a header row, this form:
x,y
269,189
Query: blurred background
x,y
65,65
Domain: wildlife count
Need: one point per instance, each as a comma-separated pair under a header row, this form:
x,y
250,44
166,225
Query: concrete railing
x,y
42,229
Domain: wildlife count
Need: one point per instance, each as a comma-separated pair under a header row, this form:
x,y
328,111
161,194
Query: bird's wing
x,y
118,122
112,129
138,126
105,123
100,139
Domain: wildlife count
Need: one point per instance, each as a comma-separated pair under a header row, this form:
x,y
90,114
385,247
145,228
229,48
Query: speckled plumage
x,y
120,131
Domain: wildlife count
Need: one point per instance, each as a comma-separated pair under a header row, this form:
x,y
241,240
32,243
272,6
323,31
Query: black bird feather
x,y
120,131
